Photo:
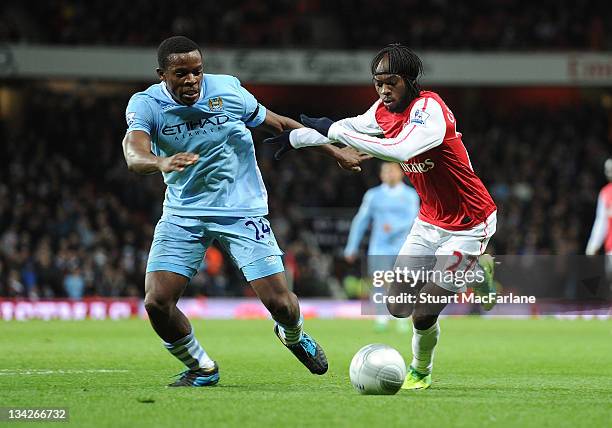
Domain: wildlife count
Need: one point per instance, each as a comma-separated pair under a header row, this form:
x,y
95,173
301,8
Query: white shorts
x,y
430,247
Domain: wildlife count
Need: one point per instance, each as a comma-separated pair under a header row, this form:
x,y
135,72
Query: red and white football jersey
x,y
602,228
424,139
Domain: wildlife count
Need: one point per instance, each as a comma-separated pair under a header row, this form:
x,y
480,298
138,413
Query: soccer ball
x,y
377,369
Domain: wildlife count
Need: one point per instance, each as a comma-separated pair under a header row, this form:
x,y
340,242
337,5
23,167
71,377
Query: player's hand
x,y
350,258
319,124
350,159
178,162
283,140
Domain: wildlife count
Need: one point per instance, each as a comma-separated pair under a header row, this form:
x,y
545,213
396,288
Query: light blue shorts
x,y
179,244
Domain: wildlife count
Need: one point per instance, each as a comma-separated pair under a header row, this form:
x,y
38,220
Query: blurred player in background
x,y
457,215
391,209
193,128
601,234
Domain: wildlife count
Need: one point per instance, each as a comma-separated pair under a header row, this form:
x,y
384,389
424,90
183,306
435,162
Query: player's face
x,y
391,90
391,174
183,76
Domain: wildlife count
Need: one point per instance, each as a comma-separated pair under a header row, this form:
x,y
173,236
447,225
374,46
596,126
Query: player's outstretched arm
x,y
347,157
359,225
600,229
365,123
424,131
139,159
275,123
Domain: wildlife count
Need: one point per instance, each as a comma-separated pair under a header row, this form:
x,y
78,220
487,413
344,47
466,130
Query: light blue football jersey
x,y
391,211
225,181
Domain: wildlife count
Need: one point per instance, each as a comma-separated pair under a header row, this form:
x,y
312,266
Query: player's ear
x,y
160,74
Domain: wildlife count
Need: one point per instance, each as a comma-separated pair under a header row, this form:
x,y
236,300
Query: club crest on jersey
x,y
419,117
215,104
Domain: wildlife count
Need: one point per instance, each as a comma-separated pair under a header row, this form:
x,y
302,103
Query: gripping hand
x,y
283,140
319,124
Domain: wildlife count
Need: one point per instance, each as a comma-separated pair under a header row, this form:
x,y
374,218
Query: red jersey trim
x,y
425,103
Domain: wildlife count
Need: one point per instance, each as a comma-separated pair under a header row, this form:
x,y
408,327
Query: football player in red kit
x,y
601,234
457,216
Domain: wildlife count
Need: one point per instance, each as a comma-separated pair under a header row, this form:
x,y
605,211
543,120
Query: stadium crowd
x,y
74,222
344,24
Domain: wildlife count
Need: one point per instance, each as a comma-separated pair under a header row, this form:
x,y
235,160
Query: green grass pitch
x,y
488,372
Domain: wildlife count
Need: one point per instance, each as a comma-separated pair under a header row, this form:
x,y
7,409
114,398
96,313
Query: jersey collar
x,y
393,189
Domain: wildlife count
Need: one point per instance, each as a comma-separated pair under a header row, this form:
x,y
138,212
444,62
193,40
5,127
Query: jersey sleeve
x,y
424,130
359,225
139,115
254,113
307,137
598,233
364,123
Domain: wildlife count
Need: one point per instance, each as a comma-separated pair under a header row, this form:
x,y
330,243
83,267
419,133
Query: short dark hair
x,y
174,45
403,62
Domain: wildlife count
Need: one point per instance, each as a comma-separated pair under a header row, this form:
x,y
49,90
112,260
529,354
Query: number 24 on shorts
x,y
259,231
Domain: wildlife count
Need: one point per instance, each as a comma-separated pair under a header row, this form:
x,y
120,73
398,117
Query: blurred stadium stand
x,y
342,24
74,222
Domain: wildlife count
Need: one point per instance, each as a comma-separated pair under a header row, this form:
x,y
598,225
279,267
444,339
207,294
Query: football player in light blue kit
x,y
193,128
391,209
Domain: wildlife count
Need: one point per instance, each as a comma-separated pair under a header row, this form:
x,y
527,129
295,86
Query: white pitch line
x,y
17,372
